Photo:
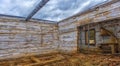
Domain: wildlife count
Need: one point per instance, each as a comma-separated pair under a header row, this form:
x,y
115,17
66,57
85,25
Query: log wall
x,y
68,27
18,38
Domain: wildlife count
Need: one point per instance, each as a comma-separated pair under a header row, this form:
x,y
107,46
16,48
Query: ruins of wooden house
x,y
96,30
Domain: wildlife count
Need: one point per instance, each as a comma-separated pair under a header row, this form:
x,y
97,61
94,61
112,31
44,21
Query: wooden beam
x,y
110,33
35,59
37,8
57,58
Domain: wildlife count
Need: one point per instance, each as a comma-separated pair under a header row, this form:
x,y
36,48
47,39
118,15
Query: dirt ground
x,y
64,60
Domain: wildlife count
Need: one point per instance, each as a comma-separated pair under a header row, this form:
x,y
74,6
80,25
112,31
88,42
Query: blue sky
x,y
54,10
17,7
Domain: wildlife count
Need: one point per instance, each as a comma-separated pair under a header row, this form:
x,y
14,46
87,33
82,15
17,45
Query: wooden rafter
x,y
110,33
37,8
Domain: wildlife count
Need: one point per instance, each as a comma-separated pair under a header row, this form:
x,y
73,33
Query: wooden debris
x,y
65,60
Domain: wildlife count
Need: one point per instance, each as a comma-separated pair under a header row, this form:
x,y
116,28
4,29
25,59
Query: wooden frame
x,y
87,41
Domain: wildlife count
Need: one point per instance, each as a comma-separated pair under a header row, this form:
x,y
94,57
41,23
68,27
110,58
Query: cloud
x,y
57,10
54,10
17,7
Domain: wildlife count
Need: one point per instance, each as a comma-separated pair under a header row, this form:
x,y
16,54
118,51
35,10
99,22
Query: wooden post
x,y
80,37
88,36
41,37
113,49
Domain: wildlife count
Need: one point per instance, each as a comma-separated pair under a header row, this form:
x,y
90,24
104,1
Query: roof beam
x,y
37,8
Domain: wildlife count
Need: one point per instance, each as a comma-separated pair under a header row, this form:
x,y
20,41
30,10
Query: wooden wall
x,y
68,27
18,38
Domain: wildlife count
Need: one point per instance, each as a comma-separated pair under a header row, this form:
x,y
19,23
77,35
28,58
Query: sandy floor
x,y
97,60
65,60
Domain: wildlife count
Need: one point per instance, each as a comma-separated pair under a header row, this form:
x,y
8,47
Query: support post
x,y
80,38
88,36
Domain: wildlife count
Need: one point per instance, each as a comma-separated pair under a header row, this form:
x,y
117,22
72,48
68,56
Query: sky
x,y
54,10
17,7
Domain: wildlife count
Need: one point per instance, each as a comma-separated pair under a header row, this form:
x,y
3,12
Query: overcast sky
x,y
54,10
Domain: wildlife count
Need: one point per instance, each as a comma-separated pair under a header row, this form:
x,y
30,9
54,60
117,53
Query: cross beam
x,y
37,8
